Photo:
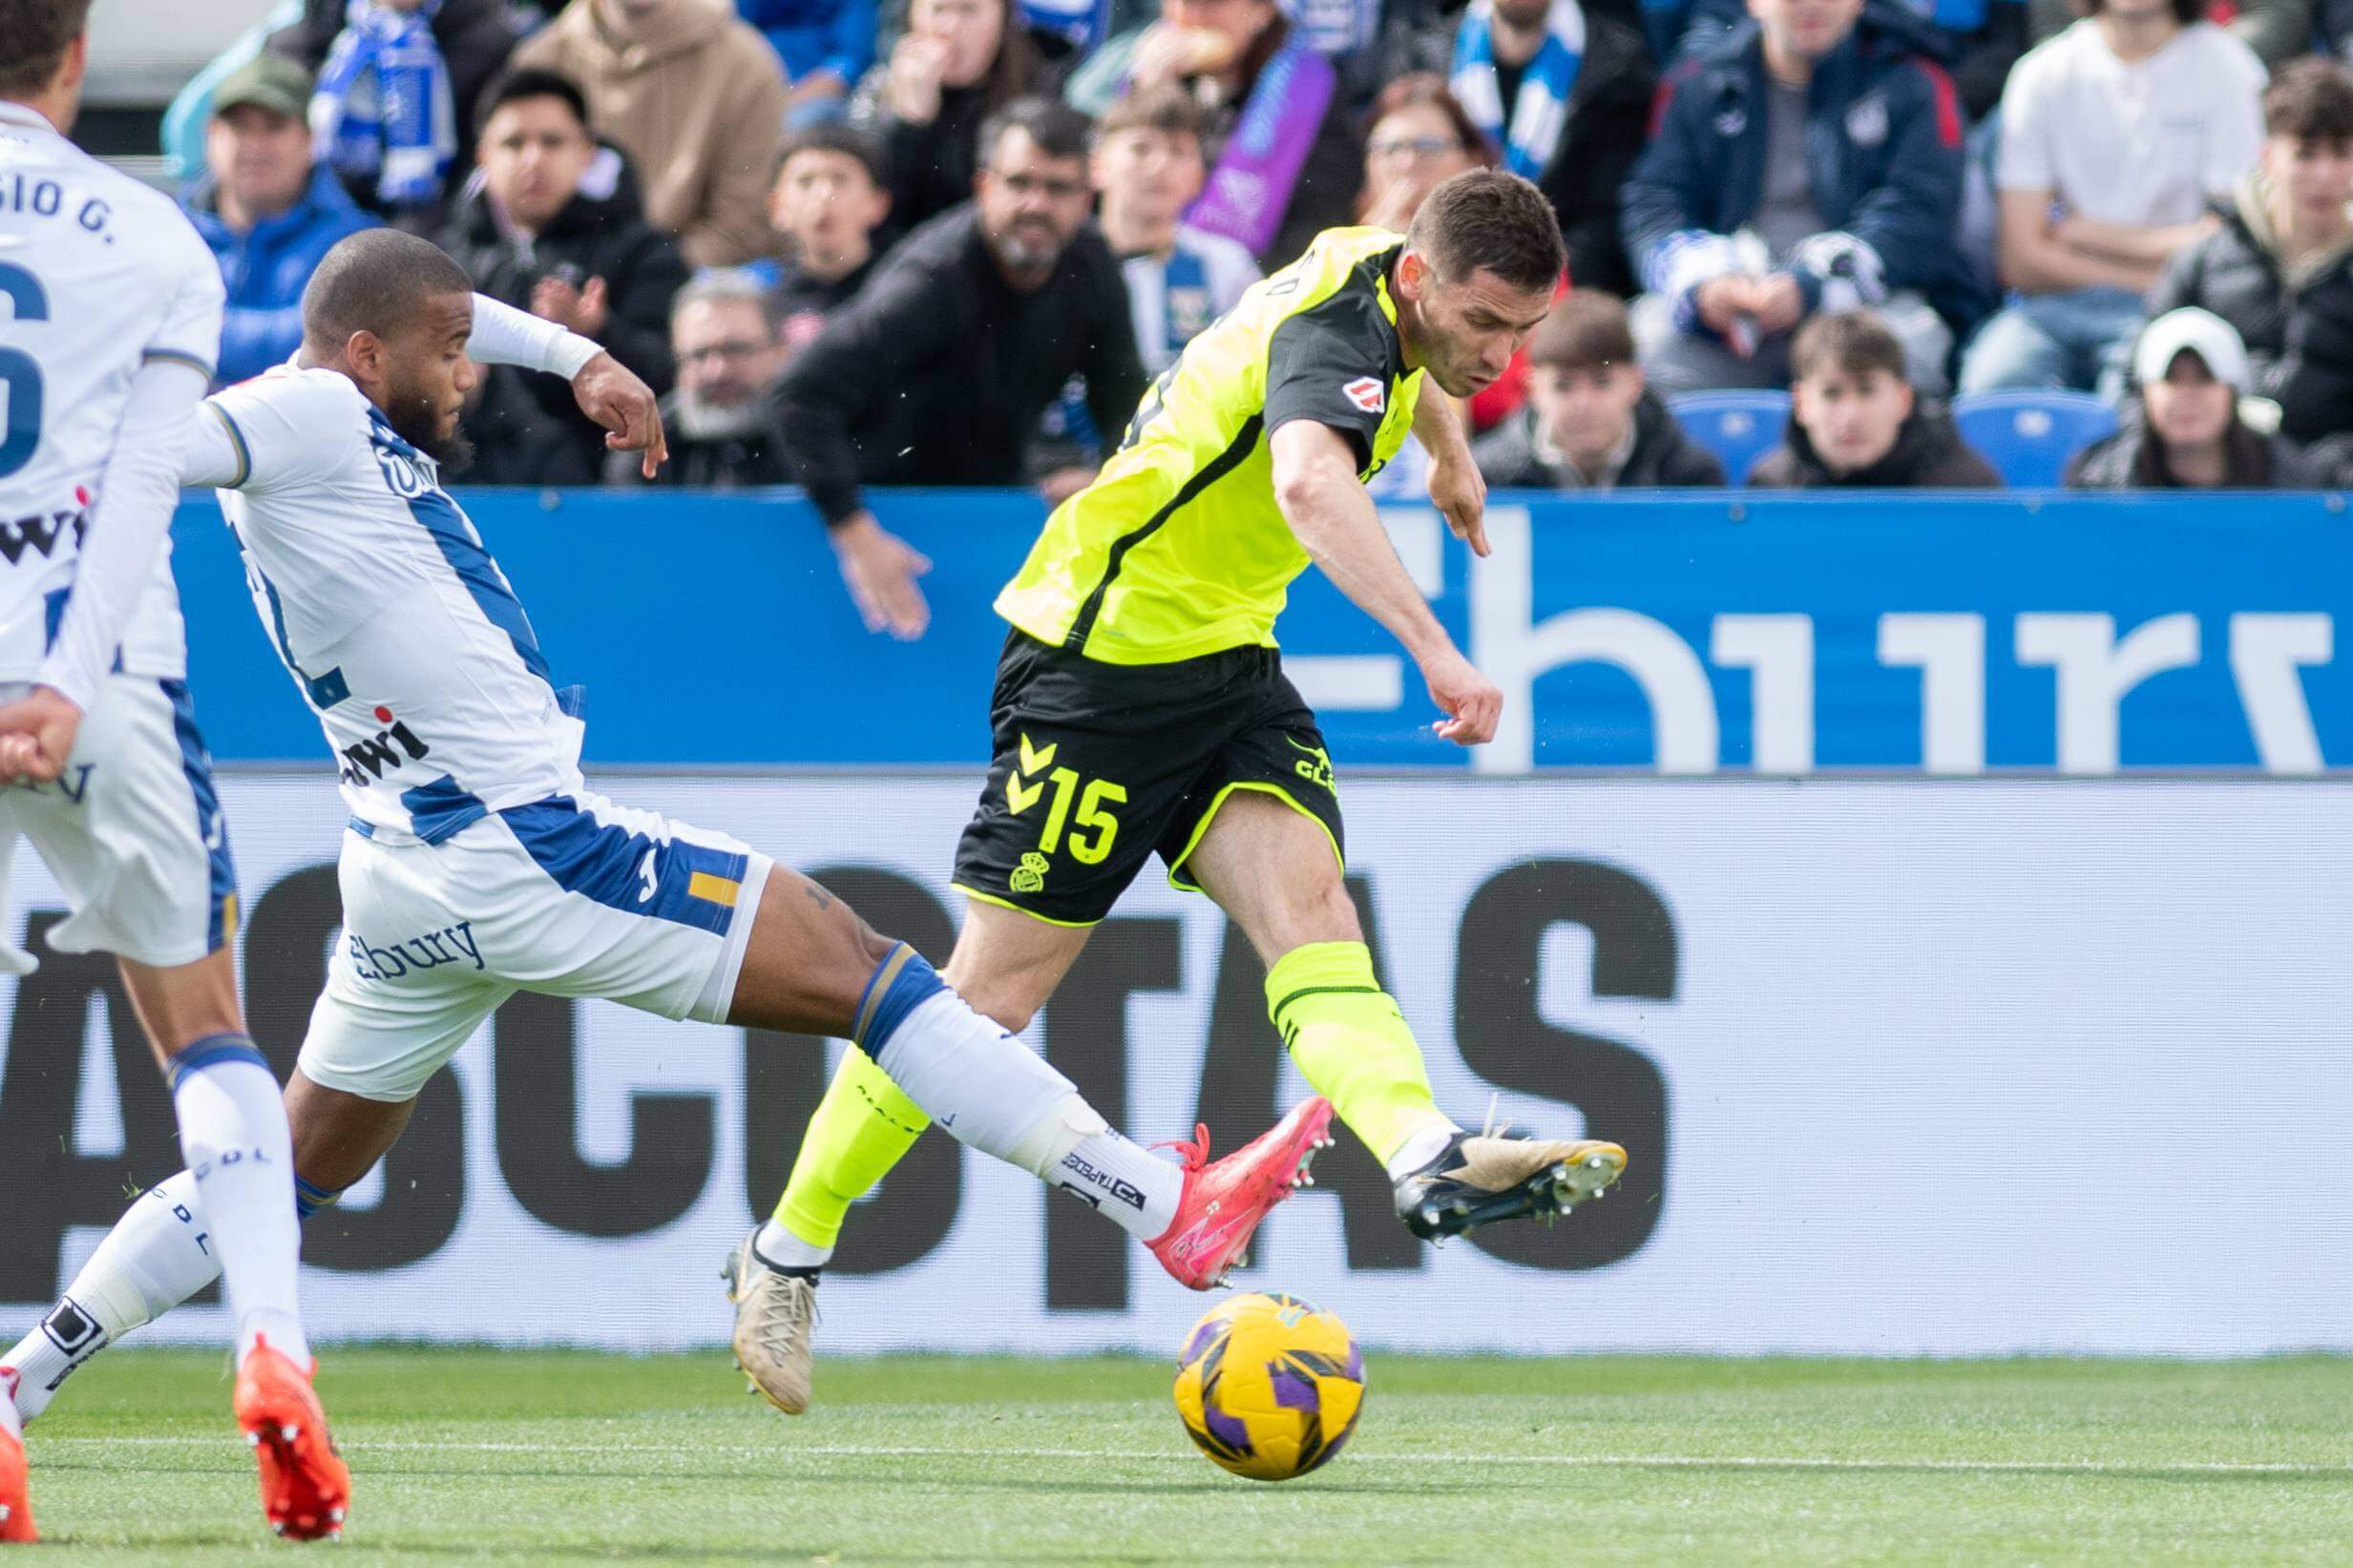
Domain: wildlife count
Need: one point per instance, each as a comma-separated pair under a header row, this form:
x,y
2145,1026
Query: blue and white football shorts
x,y
132,830
570,897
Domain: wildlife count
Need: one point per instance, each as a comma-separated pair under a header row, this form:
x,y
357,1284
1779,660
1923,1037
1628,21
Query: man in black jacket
x,y
2280,267
552,223
937,372
1589,423
1855,423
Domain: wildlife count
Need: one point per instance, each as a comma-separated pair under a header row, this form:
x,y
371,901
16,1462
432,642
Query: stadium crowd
x,y
947,242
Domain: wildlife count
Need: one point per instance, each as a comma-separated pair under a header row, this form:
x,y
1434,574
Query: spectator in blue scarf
x,y
265,211
384,116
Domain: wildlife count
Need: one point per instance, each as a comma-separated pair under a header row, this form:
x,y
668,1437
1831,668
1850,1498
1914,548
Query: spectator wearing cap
x,y
1146,168
1564,93
2184,430
1810,161
551,223
1854,422
724,338
1281,135
1591,422
829,202
2115,135
265,210
938,371
695,97
959,62
2280,268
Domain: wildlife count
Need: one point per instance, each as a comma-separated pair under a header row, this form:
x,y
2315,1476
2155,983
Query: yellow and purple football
x,y
1270,1388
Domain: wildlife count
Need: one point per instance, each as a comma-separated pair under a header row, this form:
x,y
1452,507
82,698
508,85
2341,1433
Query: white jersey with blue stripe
x,y
98,275
399,629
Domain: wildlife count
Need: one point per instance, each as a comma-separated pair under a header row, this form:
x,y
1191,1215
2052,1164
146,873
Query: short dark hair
x,y
2310,100
1168,109
376,281
836,137
1851,342
39,32
1587,330
530,82
1059,130
1487,220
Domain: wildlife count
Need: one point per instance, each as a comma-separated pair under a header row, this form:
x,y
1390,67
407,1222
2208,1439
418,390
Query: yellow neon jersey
x,y
1177,549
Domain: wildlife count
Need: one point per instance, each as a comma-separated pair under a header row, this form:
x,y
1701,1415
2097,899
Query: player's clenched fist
x,y
36,736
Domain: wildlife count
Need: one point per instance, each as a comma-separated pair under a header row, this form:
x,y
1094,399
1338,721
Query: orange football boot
x,y
306,1486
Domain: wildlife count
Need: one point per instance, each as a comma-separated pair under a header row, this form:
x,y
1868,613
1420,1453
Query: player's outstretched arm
x,y
128,524
1456,488
1315,486
608,391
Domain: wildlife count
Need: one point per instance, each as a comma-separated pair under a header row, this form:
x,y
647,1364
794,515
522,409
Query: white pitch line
x,y
1587,1461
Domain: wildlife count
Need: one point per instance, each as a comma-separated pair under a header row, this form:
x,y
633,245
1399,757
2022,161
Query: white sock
x,y
232,1131
1419,1150
157,1255
780,1249
1123,1180
985,1088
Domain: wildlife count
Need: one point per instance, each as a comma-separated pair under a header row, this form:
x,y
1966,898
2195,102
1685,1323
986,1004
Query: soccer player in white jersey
x,y
474,836
110,323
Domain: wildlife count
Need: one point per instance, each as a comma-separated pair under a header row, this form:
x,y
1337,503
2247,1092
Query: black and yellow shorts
x,y
1099,765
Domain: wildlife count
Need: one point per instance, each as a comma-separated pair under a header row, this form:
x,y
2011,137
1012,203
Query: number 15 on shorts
x,y
1076,806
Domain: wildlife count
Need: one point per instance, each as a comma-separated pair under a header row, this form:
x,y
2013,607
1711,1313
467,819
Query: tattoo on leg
x,y
817,895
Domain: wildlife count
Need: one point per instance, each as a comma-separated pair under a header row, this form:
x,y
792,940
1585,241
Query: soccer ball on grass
x,y
1268,1387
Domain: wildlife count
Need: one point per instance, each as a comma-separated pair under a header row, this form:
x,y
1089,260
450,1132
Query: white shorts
x,y
132,830
568,897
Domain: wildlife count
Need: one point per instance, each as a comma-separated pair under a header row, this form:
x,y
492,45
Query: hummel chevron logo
x,y
1018,796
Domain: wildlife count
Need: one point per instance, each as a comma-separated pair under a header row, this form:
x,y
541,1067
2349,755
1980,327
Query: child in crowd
x,y
1590,422
829,201
1854,420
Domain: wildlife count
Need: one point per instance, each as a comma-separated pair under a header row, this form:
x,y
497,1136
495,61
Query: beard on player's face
x,y
426,420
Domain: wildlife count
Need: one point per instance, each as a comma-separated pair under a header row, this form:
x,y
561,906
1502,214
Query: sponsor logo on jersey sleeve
x,y
1366,393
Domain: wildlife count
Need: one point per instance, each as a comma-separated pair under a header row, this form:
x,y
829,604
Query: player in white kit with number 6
x,y
109,318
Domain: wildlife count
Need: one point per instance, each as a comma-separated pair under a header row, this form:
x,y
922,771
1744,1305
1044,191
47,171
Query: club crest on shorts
x,y
1366,393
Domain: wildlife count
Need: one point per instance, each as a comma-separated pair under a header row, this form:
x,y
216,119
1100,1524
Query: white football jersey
x,y
397,624
99,274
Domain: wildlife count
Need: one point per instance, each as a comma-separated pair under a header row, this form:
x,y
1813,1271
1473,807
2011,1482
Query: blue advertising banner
x,y
1690,634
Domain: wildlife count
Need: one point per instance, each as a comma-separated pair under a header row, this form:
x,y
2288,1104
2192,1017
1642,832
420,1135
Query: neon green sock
x,y
1348,1039
864,1126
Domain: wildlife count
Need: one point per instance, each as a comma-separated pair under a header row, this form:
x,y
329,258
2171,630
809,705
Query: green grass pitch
x,y
504,1457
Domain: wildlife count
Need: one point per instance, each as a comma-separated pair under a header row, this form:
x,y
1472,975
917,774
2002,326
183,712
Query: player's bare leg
x,y
234,1133
989,1090
1272,867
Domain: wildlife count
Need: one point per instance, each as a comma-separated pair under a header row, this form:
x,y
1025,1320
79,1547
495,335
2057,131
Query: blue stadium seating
x,y
2029,436
1738,426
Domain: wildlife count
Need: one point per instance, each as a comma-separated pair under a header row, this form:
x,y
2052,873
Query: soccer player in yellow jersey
x,y
1141,707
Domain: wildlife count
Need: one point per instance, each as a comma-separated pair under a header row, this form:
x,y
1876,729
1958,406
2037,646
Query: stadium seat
x,y
2029,436
1738,426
